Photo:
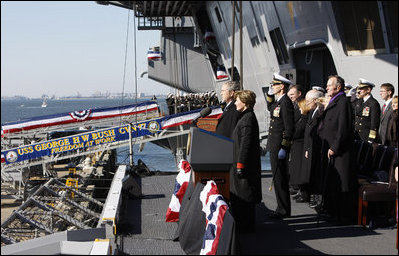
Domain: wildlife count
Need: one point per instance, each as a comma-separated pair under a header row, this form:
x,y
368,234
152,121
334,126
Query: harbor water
x,y
155,157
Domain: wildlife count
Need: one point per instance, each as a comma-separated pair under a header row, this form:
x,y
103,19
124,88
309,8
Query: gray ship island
x,y
63,193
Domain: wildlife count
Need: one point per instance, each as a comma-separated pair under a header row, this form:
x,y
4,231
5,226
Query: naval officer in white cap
x,y
367,112
279,139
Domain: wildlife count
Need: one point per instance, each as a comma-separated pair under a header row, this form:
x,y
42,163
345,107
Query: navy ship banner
x,y
79,142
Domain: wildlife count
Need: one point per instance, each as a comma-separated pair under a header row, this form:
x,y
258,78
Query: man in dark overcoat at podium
x,y
227,122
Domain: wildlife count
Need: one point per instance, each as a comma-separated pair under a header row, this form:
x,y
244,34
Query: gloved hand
x,y
282,154
270,91
240,175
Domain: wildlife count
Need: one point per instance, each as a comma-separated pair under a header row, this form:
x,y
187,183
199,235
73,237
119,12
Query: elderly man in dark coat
x,y
336,132
311,172
245,175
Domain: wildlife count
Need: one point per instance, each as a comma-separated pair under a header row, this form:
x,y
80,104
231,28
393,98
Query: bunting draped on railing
x,y
41,122
106,136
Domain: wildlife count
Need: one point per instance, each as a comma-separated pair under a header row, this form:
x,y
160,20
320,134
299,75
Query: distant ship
x,y
44,103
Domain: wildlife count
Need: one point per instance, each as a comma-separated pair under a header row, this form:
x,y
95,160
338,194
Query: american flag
x,y
214,208
182,179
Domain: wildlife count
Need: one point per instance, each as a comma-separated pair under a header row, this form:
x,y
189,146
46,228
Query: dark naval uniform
x,y
281,131
367,119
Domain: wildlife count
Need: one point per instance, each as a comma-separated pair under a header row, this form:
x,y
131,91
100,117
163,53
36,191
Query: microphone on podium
x,y
204,112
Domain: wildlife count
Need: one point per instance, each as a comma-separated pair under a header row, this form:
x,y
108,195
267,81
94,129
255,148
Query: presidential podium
x,y
211,157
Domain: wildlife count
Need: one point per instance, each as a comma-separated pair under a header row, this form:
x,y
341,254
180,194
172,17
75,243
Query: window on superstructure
x,y
391,19
361,25
196,38
218,14
279,46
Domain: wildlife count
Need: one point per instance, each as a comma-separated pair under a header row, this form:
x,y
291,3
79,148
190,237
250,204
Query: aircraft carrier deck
x,y
146,232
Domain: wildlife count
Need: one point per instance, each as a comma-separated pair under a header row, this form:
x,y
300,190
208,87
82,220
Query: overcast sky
x,y
63,48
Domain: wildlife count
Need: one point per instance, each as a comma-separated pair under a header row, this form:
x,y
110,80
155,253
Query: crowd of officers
x,y
311,140
191,101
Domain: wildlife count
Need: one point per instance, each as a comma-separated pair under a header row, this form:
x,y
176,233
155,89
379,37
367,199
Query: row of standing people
x,y
191,101
370,124
327,132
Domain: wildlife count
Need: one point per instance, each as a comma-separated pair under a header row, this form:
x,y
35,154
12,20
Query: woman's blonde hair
x,y
247,97
303,107
395,99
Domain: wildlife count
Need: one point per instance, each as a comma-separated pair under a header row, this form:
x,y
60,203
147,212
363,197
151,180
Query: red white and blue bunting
x,y
77,116
182,180
214,207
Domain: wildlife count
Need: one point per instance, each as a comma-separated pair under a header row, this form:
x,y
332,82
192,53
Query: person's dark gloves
x,y
282,154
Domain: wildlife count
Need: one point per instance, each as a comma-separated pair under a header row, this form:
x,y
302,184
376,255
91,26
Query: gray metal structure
x,y
306,41
51,209
51,222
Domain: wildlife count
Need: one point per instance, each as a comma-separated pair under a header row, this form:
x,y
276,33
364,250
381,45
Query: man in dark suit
x,y
227,122
295,94
386,91
279,139
336,133
367,113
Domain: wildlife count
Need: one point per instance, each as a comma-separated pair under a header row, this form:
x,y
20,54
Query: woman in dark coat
x,y
245,175
296,154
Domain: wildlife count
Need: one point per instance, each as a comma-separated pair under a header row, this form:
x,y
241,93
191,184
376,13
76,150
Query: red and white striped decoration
x,y
214,208
153,55
77,116
182,179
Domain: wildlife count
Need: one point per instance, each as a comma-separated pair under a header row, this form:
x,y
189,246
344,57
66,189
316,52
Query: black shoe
x,y
297,195
302,199
293,191
277,215
312,204
312,200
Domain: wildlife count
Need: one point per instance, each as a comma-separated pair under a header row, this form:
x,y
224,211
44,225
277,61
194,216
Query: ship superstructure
x,y
306,41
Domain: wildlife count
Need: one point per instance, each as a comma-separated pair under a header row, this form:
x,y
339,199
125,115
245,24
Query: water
x,y
155,157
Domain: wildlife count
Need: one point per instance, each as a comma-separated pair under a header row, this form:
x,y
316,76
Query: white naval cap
x,y
364,83
318,88
280,79
348,86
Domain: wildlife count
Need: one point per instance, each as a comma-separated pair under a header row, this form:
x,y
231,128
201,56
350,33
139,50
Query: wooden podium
x,y
211,157
221,178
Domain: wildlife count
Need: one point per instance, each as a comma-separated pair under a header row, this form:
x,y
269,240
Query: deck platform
x,y
146,232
